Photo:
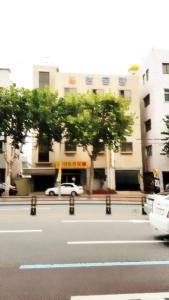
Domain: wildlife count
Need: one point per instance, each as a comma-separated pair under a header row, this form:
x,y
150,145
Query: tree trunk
x,y
91,176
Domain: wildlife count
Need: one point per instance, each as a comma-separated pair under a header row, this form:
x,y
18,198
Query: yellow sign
x,y
59,177
155,172
70,164
72,80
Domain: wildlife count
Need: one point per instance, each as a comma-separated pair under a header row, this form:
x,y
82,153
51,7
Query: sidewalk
x,y
120,196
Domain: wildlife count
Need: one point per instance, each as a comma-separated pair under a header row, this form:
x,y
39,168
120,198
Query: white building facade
x,y
154,87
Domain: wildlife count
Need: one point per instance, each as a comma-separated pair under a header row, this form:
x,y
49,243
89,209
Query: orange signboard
x,y
72,164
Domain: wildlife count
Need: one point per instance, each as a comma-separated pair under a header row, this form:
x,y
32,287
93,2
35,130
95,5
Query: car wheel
x,y
73,193
51,193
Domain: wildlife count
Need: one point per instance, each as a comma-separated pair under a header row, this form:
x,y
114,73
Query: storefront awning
x,y
39,171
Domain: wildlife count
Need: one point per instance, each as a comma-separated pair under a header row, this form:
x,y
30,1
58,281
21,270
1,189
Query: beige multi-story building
x,y
118,171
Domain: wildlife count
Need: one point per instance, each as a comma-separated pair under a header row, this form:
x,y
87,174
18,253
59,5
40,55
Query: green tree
x,y
165,149
46,116
22,111
95,120
15,118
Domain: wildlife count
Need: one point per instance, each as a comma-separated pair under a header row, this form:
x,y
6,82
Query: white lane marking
x,y
115,242
24,208
21,231
105,221
142,296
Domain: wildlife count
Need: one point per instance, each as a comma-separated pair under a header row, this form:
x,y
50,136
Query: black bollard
x,y
71,205
33,206
108,205
142,204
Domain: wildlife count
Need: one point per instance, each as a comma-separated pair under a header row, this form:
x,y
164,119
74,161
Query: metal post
x,y
142,205
71,205
108,205
33,206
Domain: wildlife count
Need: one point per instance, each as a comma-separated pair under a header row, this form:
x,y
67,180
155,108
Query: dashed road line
x,y
105,221
21,231
116,242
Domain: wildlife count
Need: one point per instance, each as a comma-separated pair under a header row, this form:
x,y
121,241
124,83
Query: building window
x,y
105,80
125,94
122,81
89,80
98,91
99,174
70,147
165,68
126,147
166,94
147,125
147,74
43,79
1,147
72,80
70,91
146,100
148,150
43,155
101,148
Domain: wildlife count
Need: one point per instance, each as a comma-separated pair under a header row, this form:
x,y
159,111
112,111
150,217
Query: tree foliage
x,y
15,114
165,149
96,120
22,110
46,116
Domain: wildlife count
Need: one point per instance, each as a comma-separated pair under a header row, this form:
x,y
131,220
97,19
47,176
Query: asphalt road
x,y
54,255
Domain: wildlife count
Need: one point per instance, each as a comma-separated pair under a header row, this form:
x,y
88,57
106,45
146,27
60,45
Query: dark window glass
x,y
89,80
105,80
147,74
148,125
43,79
126,147
165,68
70,147
1,146
43,155
166,94
146,100
125,94
148,150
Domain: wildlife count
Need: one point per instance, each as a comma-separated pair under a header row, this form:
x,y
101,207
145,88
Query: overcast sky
x,y
83,36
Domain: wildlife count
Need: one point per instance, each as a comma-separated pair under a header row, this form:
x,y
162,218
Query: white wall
x,y
156,111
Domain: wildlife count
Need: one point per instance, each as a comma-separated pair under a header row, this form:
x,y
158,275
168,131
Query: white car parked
x,y
149,200
159,216
65,189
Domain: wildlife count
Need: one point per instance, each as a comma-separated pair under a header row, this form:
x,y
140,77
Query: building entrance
x,y
73,175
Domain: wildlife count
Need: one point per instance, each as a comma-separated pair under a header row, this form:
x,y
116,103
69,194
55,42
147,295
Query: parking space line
x,y
95,264
21,231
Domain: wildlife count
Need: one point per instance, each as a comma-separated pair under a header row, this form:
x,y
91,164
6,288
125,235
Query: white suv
x,y
159,216
65,189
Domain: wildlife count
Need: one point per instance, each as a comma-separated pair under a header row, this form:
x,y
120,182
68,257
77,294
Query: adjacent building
x,y
154,89
118,171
